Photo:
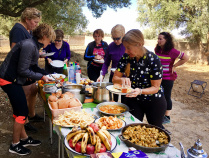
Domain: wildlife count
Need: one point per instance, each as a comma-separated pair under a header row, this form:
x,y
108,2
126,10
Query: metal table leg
x,y
58,146
50,130
62,149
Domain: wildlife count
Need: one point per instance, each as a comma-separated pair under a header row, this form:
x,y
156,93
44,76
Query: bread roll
x,y
58,94
54,105
67,95
63,103
117,86
52,98
74,103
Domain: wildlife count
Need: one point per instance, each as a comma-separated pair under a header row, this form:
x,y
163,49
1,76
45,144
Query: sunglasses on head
x,y
116,39
57,40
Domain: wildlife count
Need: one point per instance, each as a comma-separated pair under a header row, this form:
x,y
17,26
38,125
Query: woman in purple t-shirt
x,y
62,52
167,54
115,50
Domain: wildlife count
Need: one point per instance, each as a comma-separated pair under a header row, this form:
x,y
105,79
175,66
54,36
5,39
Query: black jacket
x,y
90,48
22,62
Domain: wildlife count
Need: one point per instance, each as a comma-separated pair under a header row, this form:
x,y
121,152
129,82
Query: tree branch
x,y
16,12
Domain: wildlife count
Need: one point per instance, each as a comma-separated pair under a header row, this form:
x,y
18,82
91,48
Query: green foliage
x,y
63,14
150,34
191,15
66,15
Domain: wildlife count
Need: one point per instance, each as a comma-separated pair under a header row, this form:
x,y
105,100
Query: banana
x,y
92,135
98,144
76,138
106,133
73,133
84,143
104,139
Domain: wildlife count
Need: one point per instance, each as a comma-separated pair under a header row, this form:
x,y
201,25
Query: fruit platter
x,y
90,139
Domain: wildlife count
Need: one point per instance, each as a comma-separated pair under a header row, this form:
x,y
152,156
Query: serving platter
x,y
112,103
162,147
117,91
113,140
57,76
47,54
124,124
99,61
57,63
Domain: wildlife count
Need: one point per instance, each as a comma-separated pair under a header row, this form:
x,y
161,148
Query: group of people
x,y
20,71
151,75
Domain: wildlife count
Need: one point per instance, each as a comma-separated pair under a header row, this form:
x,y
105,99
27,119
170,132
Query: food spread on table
x,y
74,118
89,139
112,109
111,122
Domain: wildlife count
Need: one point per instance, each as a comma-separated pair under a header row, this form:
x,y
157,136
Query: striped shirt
x,y
167,61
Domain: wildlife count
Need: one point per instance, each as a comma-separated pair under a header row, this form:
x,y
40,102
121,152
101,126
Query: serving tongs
x,y
57,81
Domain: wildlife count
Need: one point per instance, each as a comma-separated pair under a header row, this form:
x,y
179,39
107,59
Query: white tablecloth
x,y
170,152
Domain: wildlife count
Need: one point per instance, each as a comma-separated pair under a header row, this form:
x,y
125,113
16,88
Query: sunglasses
x,y
37,14
116,39
57,40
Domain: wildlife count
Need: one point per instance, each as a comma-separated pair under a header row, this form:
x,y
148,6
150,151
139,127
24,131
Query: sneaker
x,y
19,149
36,118
30,142
166,120
30,128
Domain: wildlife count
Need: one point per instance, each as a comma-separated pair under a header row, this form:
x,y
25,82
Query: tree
x,y
63,14
190,15
14,8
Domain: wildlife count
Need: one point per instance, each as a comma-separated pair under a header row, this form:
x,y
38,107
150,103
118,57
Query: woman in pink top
x,y
167,54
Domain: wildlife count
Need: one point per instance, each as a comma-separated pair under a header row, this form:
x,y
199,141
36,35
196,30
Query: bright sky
x,y
125,16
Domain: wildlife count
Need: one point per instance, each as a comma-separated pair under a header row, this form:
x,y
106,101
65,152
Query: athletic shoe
x,y
166,120
36,118
30,128
19,149
30,142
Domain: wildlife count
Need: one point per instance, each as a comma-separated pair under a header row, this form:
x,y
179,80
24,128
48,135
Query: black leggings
x,y
17,99
167,86
93,72
154,109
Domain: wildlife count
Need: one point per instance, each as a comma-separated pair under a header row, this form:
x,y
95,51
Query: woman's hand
x,y
173,69
100,78
46,79
65,61
134,93
98,57
126,81
49,60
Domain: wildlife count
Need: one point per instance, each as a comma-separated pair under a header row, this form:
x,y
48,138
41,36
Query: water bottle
x,y
71,74
78,68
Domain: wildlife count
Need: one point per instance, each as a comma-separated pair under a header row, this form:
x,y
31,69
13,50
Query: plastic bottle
x,y
71,74
78,68
65,70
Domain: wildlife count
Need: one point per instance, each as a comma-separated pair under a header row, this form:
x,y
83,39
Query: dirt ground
x,y
189,118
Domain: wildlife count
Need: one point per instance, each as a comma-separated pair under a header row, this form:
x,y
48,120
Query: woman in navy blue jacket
x,y
94,54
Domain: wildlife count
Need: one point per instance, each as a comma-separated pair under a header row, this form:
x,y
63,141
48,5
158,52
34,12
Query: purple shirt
x,y
114,53
64,54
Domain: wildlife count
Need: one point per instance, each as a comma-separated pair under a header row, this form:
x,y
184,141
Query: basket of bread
x,y
59,103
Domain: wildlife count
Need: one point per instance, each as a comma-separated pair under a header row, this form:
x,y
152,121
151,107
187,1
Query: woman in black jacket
x,y
19,68
94,54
